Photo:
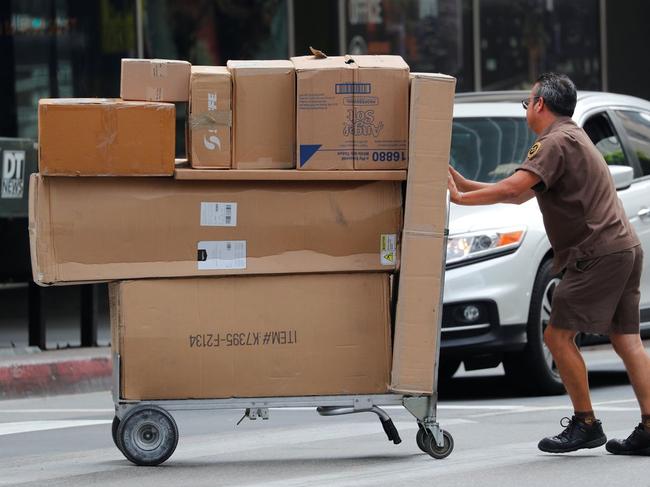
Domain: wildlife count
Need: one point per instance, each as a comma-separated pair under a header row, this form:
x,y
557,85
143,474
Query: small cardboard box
x,y
210,117
101,229
264,114
155,80
352,112
105,137
260,336
419,297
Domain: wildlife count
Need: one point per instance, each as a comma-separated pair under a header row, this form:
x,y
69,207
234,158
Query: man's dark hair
x,y
559,93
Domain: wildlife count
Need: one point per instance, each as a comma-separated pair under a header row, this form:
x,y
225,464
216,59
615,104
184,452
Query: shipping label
x,y
388,249
218,214
243,339
221,254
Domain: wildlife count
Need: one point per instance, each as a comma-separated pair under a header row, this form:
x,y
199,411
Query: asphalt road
x,y
66,440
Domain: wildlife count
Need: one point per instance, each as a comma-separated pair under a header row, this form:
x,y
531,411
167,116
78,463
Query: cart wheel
x,y
114,427
421,438
148,435
440,452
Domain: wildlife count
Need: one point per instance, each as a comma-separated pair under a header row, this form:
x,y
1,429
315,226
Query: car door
x,y
605,129
635,134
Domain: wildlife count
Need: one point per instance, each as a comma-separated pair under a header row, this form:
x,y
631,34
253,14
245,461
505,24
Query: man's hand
x,y
459,180
455,195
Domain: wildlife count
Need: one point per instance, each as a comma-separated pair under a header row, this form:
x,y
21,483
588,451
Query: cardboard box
x,y
155,80
419,300
210,117
105,137
253,336
352,112
264,114
122,228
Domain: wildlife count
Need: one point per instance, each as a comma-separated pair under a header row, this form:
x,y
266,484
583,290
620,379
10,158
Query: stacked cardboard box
x,y
264,282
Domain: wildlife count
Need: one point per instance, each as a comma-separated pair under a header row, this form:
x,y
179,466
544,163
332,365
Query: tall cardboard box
x,y
419,298
105,137
319,334
210,117
155,80
126,228
264,114
352,112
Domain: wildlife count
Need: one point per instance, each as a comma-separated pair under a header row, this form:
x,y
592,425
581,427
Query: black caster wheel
x,y
148,435
440,452
114,427
422,438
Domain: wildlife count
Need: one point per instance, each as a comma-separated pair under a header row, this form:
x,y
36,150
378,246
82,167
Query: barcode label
x,y
218,214
221,254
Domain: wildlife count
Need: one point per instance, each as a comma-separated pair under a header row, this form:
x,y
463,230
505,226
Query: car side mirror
x,y
622,176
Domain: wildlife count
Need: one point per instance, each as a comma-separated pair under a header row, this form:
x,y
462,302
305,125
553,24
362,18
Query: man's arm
x,y
514,189
466,185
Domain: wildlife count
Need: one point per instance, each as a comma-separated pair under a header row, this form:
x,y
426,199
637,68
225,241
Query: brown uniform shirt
x,y
583,216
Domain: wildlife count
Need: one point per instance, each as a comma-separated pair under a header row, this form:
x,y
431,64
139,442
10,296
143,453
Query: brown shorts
x,y
600,295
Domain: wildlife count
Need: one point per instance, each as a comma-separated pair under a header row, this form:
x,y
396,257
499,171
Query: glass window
x,y
602,134
488,149
431,35
520,39
637,127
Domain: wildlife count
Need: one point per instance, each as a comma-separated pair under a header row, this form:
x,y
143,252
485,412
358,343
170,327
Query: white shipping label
x,y
222,254
388,249
218,214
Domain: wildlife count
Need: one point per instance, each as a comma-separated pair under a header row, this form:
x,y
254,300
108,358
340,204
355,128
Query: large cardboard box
x,y
252,336
121,228
105,137
264,114
352,112
210,118
155,80
419,298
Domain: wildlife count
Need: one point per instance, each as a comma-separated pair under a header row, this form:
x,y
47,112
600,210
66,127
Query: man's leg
x,y
583,430
637,363
571,366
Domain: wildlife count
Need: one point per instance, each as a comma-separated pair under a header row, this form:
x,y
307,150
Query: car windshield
x,y
488,149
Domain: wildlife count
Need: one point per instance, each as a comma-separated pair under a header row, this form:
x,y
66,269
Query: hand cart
x,y
146,433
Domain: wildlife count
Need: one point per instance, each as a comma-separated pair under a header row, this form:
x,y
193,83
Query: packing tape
x,y
109,130
154,94
210,120
158,68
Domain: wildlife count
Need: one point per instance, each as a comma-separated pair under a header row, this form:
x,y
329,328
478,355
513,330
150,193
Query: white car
x,y
498,282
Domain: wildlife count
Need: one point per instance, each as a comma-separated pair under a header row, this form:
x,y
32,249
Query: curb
x,y
52,374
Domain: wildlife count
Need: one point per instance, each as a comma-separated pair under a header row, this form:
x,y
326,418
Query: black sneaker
x,y
576,436
638,443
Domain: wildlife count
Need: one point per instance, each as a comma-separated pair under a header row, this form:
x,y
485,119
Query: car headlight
x,y
467,247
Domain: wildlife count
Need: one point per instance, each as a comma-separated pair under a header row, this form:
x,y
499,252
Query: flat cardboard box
x,y
264,114
419,300
102,229
261,336
155,80
210,117
105,137
352,112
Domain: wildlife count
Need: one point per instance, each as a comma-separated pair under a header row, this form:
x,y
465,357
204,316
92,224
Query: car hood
x,y
474,218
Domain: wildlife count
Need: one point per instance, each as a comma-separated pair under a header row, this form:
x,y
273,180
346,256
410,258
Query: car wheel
x,y
534,370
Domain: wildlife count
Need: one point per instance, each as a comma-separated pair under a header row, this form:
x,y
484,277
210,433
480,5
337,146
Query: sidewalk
x,y
30,372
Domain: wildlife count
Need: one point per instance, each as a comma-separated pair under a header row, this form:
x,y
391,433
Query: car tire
x,y
533,370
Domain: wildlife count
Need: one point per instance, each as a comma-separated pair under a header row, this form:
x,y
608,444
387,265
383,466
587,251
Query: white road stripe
x,y
30,426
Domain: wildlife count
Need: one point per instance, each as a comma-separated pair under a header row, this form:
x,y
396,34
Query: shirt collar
x,y
560,120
